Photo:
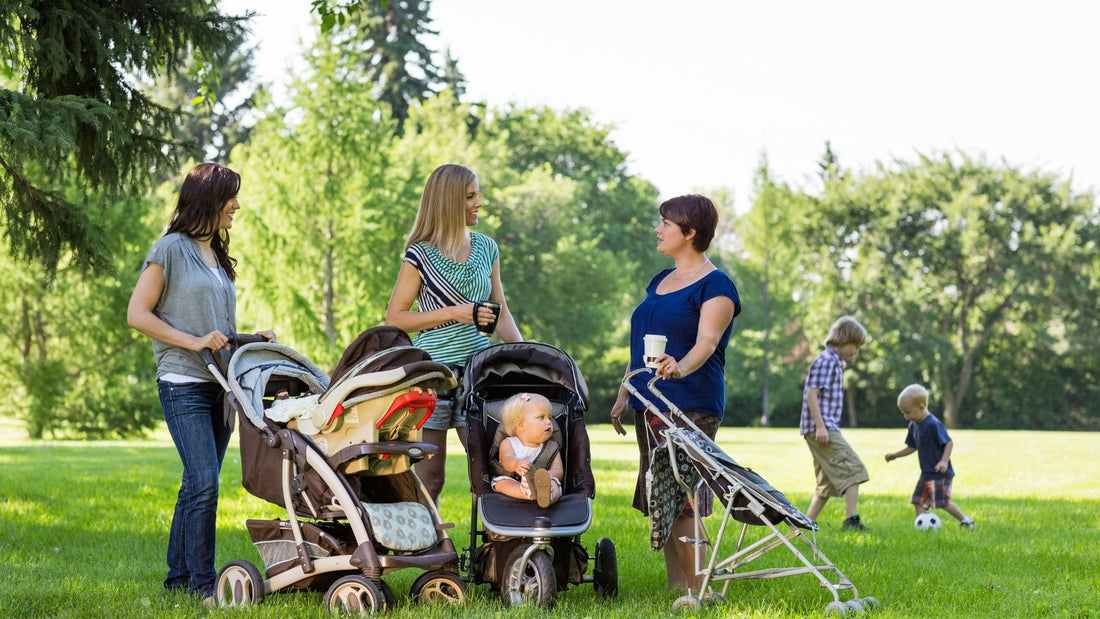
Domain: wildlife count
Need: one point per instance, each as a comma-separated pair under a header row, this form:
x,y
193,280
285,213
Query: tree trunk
x,y
765,405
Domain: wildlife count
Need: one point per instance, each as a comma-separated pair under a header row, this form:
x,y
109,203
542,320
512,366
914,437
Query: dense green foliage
x,y
75,120
977,279
83,529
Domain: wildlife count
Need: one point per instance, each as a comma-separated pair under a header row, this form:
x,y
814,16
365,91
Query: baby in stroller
x,y
526,549
528,451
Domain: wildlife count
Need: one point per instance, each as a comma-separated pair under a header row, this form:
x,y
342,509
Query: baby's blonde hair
x,y
846,330
516,407
912,395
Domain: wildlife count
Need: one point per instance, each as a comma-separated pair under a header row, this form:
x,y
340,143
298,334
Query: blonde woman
x,y
448,269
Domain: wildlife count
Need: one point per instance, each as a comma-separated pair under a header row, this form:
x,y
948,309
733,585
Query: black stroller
x,y
338,458
686,461
527,552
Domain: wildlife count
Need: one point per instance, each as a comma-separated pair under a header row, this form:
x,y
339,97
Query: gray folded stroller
x,y
337,456
684,462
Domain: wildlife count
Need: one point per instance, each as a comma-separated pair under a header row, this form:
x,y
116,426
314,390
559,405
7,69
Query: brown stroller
x,y
338,458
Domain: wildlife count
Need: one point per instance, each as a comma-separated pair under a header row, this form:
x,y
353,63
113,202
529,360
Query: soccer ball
x,y
928,522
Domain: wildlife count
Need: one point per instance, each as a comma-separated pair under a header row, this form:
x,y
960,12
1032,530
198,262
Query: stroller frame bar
x,y
680,437
725,570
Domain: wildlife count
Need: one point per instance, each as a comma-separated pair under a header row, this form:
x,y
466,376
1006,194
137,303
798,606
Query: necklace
x,y
706,261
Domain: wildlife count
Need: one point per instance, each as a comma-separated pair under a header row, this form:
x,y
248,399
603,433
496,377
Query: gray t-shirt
x,y
195,300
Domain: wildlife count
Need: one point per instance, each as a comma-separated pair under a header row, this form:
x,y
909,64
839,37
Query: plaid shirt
x,y
826,374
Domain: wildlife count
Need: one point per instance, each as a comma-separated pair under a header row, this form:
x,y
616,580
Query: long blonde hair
x,y
441,219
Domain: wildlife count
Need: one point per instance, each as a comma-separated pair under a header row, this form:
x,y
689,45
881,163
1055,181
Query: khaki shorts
x,y
836,465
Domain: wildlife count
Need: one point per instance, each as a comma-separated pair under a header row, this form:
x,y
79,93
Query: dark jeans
x,y
194,415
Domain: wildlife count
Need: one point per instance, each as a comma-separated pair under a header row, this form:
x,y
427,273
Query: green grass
x,y
83,530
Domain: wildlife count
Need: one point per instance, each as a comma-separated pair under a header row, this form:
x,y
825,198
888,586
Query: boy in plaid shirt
x,y
838,469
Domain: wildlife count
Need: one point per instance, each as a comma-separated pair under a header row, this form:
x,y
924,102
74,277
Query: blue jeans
x,y
194,415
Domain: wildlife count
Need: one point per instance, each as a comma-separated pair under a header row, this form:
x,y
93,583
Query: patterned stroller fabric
x,y
666,494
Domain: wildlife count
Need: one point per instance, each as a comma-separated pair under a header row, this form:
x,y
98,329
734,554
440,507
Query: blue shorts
x,y
932,493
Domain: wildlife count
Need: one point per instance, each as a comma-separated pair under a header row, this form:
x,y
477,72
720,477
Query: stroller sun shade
x,y
254,365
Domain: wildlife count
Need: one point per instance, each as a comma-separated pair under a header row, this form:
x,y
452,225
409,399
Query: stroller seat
x,y
369,419
510,517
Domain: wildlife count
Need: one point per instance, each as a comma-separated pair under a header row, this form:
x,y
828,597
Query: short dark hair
x,y
693,212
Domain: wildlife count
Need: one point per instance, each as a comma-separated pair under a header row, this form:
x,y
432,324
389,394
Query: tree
x,y
767,358
388,39
947,257
71,365
314,243
72,113
223,101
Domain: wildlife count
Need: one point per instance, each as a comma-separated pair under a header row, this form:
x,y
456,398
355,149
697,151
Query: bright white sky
x,y
698,90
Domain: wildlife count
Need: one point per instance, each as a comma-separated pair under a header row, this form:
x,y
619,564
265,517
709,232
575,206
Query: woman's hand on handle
x,y
667,367
215,340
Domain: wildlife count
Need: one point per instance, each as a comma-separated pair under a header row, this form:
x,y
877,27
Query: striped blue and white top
x,y
445,282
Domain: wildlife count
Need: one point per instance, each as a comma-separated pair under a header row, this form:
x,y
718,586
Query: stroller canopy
x,y
253,365
383,348
531,358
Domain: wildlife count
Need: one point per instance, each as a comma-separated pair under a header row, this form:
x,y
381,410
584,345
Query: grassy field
x,y
83,530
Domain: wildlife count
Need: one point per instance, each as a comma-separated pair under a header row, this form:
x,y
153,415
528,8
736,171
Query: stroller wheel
x,y
239,583
837,609
387,594
687,602
355,595
870,603
438,587
605,574
533,582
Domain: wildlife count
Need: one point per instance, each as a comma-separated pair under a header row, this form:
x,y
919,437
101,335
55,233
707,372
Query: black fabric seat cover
x,y
503,510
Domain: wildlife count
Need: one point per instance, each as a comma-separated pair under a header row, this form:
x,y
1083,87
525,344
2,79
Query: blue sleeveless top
x,y
676,316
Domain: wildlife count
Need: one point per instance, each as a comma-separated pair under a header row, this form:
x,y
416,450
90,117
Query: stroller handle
x,y
236,340
673,410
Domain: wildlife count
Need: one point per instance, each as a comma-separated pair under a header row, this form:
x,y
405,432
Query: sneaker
x,y
853,523
967,524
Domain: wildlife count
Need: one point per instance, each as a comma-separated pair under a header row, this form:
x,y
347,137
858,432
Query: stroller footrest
x,y
502,510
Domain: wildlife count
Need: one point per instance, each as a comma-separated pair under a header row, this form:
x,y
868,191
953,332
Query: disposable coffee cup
x,y
487,329
654,347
